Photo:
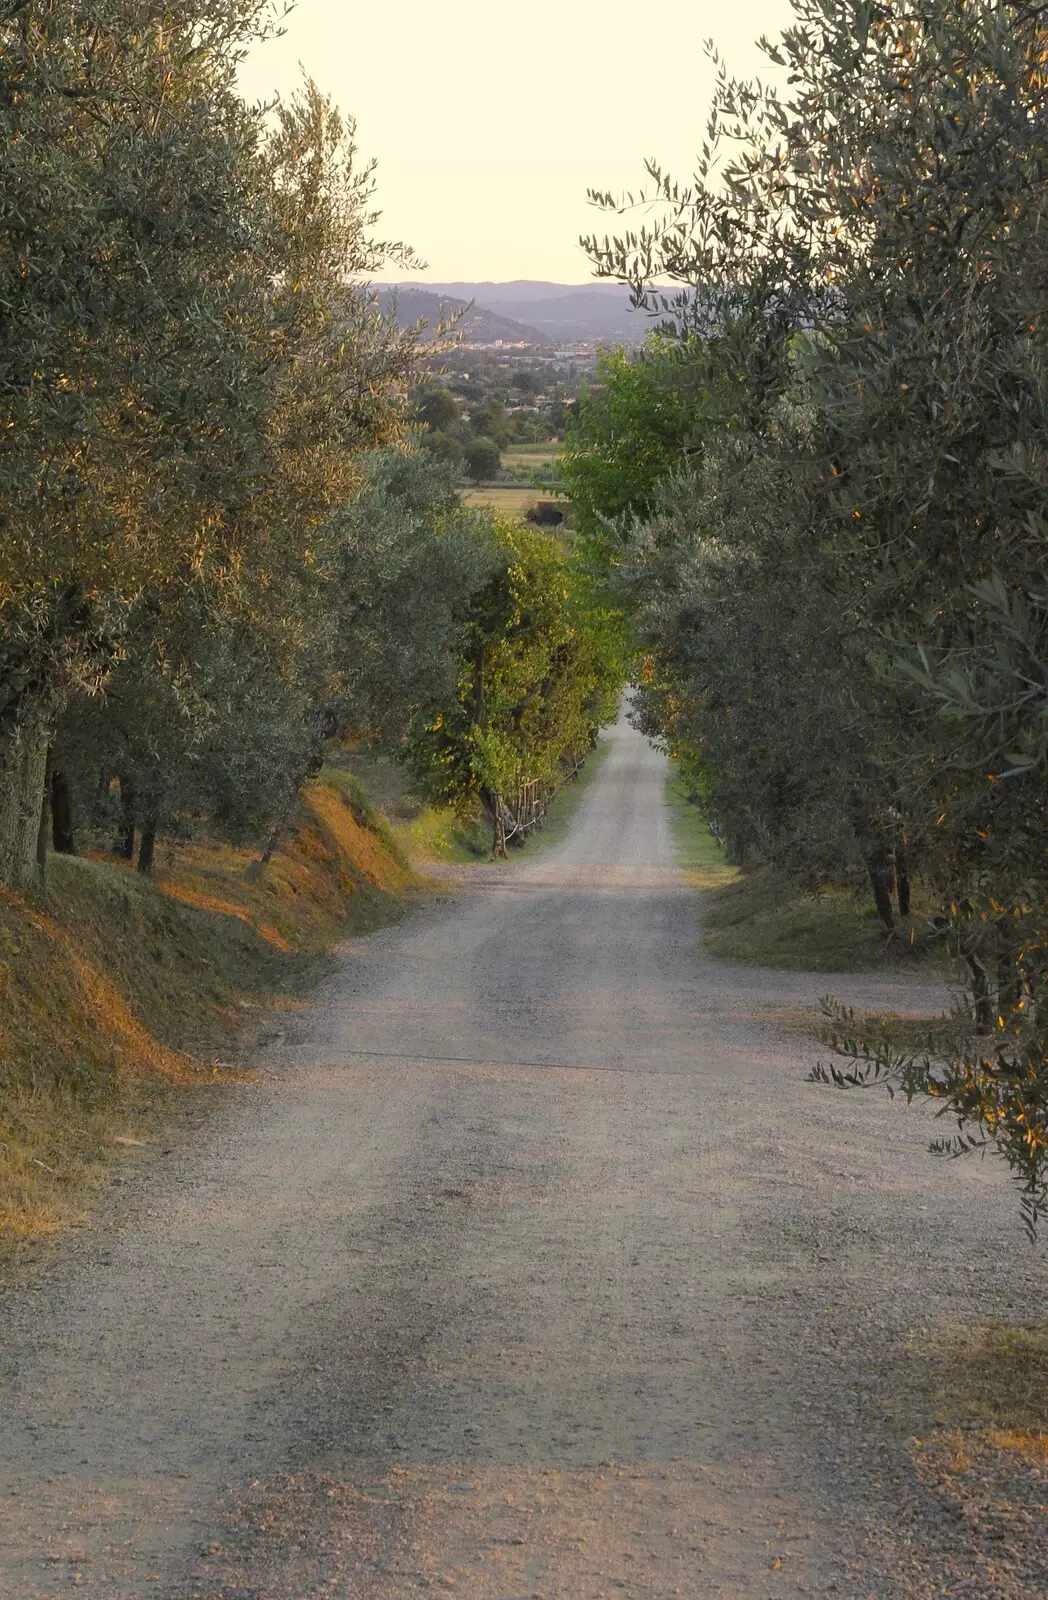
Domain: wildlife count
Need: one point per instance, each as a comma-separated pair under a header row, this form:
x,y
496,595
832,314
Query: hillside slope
x,y
118,993
559,312
478,325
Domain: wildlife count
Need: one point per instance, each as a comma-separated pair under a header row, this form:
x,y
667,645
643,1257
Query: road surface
x,y
531,1266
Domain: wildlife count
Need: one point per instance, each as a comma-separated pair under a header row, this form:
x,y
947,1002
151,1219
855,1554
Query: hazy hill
x,y
481,325
561,312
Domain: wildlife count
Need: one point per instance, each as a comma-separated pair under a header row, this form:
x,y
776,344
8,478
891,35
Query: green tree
x,y
641,420
405,568
189,374
483,458
871,273
124,240
489,421
541,670
437,408
445,447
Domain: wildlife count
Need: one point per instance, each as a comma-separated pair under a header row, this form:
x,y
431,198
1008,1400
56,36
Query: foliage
x,y
192,370
204,720
436,408
407,563
841,594
993,1088
640,421
483,458
540,672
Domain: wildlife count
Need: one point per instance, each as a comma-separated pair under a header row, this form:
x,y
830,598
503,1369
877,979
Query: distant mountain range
x,y
479,325
541,313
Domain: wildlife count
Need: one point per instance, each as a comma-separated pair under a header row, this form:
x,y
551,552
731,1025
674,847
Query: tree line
x,y
222,543
820,494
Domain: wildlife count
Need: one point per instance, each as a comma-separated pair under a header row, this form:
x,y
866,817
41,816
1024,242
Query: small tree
x,y
437,408
645,419
483,459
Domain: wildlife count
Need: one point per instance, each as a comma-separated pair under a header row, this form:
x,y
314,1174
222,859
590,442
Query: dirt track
x,y
531,1267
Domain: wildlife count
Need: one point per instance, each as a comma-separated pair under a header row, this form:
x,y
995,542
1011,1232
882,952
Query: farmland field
x,y
511,498
530,456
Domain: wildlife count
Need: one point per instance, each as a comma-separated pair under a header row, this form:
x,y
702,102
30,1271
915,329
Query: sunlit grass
x,y
118,992
440,835
511,499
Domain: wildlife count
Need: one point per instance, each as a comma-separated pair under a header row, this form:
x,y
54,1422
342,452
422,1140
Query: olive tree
x,y
193,363
865,252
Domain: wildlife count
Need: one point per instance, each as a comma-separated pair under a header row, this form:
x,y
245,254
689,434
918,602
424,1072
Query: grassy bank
x,y
758,919
424,834
127,1002
121,995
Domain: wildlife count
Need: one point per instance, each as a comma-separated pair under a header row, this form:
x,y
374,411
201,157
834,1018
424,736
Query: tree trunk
x,y
256,868
493,805
63,831
881,883
147,847
980,987
45,818
902,881
125,844
23,766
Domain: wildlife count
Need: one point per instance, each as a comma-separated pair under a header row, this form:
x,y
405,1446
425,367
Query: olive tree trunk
x,y
147,845
23,774
63,823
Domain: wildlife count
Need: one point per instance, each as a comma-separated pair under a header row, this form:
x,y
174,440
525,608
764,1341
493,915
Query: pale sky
x,y
490,121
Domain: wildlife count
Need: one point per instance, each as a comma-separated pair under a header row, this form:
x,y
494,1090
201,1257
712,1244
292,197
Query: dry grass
x,y
57,1153
700,857
991,1376
332,864
422,833
758,919
986,1460
514,500
117,994
531,455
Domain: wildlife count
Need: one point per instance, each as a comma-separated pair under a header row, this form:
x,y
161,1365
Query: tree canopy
x,y
839,583
222,541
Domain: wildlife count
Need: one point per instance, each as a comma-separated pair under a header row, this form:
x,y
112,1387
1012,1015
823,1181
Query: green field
x,y
530,456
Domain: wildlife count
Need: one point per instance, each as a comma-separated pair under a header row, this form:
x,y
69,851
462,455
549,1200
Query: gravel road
x,y
530,1267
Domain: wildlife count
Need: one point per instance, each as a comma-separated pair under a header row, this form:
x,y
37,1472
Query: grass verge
x,y
990,1375
120,994
758,919
701,858
985,1456
418,832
